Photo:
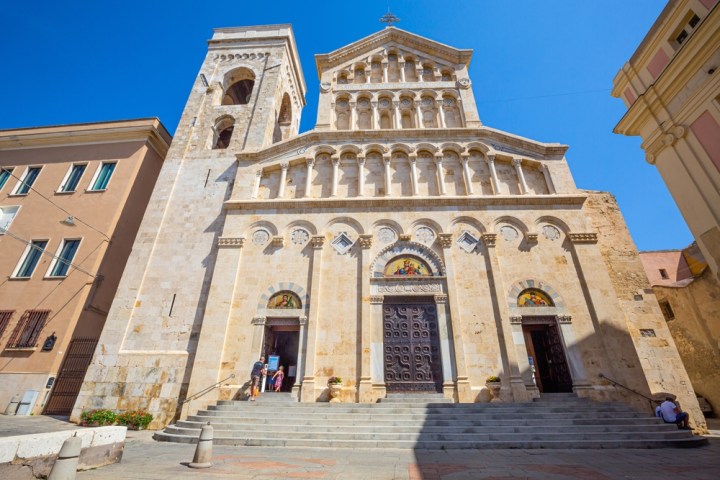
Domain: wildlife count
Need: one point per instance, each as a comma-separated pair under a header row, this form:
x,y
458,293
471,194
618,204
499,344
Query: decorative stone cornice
x,y
490,239
445,239
258,320
236,242
377,299
531,237
516,320
564,318
404,237
583,237
317,241
440,298
302,320
365,241
278,242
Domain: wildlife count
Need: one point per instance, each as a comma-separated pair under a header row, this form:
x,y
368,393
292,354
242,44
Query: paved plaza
x,y
146,459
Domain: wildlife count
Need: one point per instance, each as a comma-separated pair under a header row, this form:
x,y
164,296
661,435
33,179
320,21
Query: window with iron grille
x,y
28,329
5,319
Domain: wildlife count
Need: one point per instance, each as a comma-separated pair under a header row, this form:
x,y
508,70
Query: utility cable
x,y
55,204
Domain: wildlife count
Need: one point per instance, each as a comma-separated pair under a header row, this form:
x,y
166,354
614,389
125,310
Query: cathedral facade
x,y
400,245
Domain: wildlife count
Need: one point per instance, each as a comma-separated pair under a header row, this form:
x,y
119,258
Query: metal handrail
x,y
205,390
652,402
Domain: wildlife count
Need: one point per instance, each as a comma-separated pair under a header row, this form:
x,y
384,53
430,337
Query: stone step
x,y
272,397
444,444
217,416
193,428
196,421
390,408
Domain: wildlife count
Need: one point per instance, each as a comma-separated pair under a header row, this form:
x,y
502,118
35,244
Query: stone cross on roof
x,y
389,18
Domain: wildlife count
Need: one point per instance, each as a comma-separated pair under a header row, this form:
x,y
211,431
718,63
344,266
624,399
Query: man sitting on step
x,y
671,413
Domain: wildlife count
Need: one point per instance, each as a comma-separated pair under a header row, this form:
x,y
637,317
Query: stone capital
x,y
303,320
440,298
335,160
490,239
361,160
278,241
404,237
317,242
464,157
258,173
386,159
365,241
490,159
376,299
588,238
310,162
516,162
564,318
516,320
284,166
258,320
445,239
531,237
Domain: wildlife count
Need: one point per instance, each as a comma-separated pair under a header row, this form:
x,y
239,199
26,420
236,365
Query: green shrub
x,y
334,381
99,417
135,419
492,379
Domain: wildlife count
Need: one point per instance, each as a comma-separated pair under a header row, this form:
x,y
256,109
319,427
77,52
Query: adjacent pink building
x,y
71,201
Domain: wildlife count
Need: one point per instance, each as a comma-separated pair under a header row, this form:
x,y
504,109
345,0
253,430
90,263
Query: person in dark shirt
x,y
258,370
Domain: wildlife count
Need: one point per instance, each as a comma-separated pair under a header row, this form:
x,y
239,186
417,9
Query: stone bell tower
x,y
248,95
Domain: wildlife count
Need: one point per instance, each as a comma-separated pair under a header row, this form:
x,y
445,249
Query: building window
x,y
102,176
27,180
664,275
5,173
61,264
28,329
30,259
7,214
5,316
72,178
667,310
688,26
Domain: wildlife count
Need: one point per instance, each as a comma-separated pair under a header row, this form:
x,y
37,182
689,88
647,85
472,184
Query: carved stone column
x,y
307,392
375,118
283,180
548,179
386,161
365,394
462,385
440,174
295,392
308,180
401,66
444,329
353,115
510,362
490,159
385,72
441,111
517,163
418,114
361,176
335,175
467,176
413,174
226,281
377,362
396,108
256,185
368,74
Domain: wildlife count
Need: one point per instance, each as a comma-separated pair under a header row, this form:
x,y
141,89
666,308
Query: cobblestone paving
x,y
146,459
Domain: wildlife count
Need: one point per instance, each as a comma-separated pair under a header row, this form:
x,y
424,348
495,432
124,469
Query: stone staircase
x,y
421,421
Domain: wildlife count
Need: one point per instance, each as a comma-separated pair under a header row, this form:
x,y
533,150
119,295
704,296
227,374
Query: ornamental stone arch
x,y
377,268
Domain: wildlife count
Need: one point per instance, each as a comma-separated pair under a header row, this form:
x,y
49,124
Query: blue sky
x,y
85,61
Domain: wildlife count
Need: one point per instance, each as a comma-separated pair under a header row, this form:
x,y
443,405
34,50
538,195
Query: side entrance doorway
x,y
547,356
411,345
281,349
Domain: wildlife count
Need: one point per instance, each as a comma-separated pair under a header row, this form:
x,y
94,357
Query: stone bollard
x,y
66,464
203,451
13,405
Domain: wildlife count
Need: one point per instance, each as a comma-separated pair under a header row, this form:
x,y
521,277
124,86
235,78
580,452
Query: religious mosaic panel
x,y
533,297
284,300
406,266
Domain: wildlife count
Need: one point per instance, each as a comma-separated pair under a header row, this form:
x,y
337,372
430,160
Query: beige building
x,y
71,201
400,245
671,87
689,297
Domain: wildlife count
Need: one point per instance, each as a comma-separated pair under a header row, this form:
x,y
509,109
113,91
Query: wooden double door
x,y
411,345
547,354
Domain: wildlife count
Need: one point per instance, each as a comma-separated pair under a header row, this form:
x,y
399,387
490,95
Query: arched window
x,y
223,133
284,300
532,297
407,266
284,120
239,85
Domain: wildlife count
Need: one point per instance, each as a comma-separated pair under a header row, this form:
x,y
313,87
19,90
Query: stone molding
x,y
233,242
588,238
376,299
303,320
404,237
258,320
445,239
516,320
564,318
441,298
531,237
278,241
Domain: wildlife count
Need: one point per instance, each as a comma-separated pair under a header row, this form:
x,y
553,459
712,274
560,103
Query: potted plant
x,y
335,385
493,383
135,419
97,418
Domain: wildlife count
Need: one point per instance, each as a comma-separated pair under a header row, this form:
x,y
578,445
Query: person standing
x,y
278,378
671,413
258,370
